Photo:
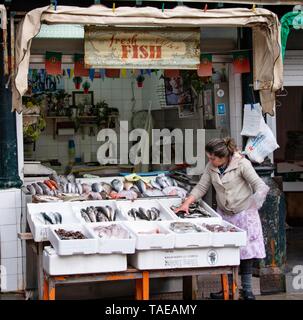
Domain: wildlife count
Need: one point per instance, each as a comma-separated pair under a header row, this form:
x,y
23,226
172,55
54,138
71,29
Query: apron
x,y
248,220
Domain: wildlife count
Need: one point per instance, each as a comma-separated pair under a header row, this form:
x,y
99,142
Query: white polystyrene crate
x,y
185,258
77,246
114,245
215,218
225,239
77,206
164,240
38,228
90,181
54,264
126,206
190,239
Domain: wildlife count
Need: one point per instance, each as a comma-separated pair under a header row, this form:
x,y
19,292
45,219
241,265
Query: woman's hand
x,y
185,205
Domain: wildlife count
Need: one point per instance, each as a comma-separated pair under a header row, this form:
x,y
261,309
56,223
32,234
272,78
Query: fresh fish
x,y
106,187
85,216
141,186
155,213
184,227
47,218
175,191
38,189
155,185
161,182
128,185
99,216
116,214
112,231
31,189
79,187
130,194
69,187
110,213
96,187
103,195
117,185
55,178
86,188
91,214
132,213
63,180
142,214
58,217
154,193
71,178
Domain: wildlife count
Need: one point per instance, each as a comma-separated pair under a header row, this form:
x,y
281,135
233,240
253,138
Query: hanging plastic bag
x,y
252,120
259,147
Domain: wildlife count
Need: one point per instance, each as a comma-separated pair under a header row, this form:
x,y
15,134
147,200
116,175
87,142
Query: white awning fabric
x,y
267,71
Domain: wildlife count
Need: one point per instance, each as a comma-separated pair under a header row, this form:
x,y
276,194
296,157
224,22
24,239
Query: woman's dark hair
x,y
221,147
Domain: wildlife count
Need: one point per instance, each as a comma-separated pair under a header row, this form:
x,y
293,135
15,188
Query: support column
x,y
9,177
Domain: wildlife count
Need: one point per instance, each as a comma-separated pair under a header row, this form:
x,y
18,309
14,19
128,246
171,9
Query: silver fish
x,y
86,188
47,218
141,186
161,182
117,185
184,227
106,187
142,214
110,213
96,187
71,178
132,213
31,189
85,216
55,178
91,214
128,185
58,217
38,189
155,185
79,187
63,180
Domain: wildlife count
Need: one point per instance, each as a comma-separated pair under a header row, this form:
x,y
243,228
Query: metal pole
x,y
9,177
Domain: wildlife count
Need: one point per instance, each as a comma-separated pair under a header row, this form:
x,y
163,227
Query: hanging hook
x,y
282,93
114,7
253,8
162,6
205,7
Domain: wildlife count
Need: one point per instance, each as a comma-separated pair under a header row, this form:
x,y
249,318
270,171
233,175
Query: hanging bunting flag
x,y
30,73
123,73
171,73
91,74
68,72
72,73
53,63
102,73
79,68
141,72
148,72
241,62
112,73
205,68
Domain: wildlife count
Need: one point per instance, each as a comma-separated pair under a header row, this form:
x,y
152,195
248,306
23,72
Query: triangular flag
x,y
53,63
112,73
148,72
72,73
171,73
80,70
91,74
68,72
205,68
123,73
241,62
102,73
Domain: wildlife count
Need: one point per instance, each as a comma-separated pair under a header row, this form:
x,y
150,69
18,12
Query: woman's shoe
x,y
219,295
247,295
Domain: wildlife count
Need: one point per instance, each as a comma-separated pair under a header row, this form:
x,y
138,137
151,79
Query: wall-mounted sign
x,y
142,48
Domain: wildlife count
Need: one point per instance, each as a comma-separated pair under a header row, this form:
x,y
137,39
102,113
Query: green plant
x,y
140,78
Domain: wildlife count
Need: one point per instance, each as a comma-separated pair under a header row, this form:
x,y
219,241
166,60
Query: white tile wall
x,y
11,249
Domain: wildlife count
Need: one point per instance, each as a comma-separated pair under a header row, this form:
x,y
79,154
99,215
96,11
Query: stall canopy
x,y
267,58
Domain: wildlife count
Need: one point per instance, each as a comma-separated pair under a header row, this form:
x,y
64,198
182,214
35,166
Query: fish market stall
x,y
143,238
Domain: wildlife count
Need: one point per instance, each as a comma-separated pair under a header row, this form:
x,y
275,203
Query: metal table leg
x,y
235,288
51,289
190,288
145,285
139,289
40,269
45,289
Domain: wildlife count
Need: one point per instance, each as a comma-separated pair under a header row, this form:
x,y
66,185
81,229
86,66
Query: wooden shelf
x,y
65,117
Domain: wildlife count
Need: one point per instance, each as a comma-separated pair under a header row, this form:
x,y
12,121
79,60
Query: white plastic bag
x,y
259,147
252,120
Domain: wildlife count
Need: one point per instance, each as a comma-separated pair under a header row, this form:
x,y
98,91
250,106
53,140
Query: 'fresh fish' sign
x,y
142,48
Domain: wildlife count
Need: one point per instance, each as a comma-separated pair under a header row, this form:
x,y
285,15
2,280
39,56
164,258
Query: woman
x,y
240,192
